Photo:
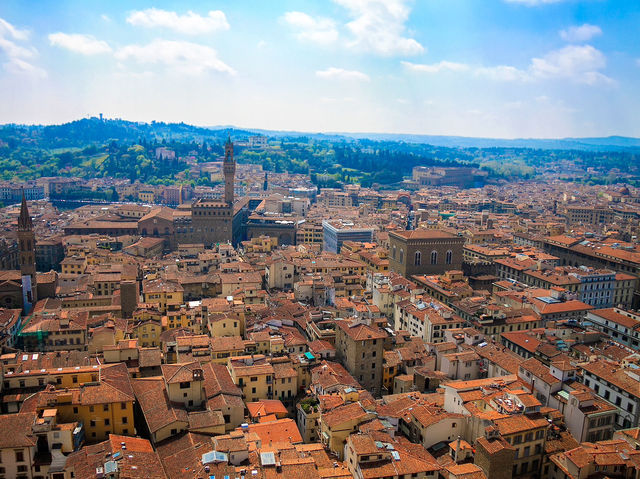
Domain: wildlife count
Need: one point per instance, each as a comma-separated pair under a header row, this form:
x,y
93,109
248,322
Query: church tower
x,y
229,169
27,245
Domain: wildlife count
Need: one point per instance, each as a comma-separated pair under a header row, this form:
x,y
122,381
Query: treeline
x,y
121,149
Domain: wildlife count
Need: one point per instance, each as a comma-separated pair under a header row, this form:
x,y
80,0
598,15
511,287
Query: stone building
x,y
424,252
360,348
494,455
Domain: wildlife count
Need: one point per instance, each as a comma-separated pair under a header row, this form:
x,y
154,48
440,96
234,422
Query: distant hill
x,y
81,132
611,143
90,130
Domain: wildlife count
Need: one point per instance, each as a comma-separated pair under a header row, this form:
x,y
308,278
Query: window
x,y
75,410
448,257
92,423
417,260
184,385
105,407
434,257
253,390
123,405
124,420
401,255
106,422
19,455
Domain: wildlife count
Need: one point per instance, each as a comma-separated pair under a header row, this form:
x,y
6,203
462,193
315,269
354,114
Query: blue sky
x,y
492,68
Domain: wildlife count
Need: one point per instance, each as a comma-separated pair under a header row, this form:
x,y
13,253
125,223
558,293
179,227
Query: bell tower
x,y
229,169
27,245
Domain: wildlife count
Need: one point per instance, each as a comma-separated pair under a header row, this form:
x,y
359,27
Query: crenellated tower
x,y
229,170
27,245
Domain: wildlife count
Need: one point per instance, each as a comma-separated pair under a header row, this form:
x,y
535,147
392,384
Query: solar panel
x,y
267,459
214,456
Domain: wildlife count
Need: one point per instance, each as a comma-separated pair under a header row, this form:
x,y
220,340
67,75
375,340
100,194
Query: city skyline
x,y
503,69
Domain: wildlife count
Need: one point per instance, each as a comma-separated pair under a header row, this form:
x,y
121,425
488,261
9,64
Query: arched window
x,y
434,257
449,257
401,255
393,251
417,260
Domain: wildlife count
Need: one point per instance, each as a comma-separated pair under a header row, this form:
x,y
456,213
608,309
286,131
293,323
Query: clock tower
x,y
27,245
229,170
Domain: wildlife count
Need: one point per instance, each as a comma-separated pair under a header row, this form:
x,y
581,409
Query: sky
x,y
483,68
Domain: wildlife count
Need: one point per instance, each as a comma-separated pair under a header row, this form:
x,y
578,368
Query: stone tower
x,y
27,245
229,169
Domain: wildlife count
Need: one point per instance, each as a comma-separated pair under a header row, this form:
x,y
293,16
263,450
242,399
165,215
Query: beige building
x,y
254,376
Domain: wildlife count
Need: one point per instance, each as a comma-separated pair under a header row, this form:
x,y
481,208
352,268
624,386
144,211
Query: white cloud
x,y
13,50
17,53
579,63
576,63
316,30
189,23
378,26
185,57
503,73
79,43
8,30
436,67
534,3
334,73
582,33
105,17
21,67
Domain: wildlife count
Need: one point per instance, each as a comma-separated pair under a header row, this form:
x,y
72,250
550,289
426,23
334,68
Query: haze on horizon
x,y
491,68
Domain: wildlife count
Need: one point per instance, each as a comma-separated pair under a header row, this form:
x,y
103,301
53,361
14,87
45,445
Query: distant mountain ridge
x,y
610,143
95,129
